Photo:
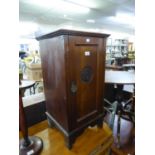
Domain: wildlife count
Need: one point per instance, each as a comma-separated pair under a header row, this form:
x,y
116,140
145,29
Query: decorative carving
x,y
86,74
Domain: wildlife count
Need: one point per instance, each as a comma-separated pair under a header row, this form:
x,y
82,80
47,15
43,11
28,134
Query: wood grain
x,y
63,56
94,141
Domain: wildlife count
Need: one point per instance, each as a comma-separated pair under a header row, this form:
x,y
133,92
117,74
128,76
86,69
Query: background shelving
x,y
120,49
131,50
117,48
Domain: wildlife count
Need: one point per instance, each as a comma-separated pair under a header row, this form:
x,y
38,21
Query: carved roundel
x,y
86,74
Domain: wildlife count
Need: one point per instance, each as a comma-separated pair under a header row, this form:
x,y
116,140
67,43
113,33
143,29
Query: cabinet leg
x,y
69,141
50,123
100,123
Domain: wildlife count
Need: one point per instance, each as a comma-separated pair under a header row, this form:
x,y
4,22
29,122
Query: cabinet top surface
x,y
73,33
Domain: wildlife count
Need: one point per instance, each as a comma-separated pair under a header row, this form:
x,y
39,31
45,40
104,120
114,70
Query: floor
x,y
127,140
87,143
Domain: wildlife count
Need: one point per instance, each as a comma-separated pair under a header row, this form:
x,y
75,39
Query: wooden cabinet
x,y
73,65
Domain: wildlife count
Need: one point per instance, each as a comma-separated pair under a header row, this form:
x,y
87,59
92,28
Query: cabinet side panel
x,y
53,68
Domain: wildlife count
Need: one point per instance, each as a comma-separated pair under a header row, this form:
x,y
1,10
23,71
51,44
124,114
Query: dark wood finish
x,y
35,113
22,121
27,144
71,33
33,148
93,141
73,64
53,144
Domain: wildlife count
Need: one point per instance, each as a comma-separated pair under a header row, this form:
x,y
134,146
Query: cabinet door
x,y
86,59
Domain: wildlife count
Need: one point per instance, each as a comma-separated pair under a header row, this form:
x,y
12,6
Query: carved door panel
x,y
85,83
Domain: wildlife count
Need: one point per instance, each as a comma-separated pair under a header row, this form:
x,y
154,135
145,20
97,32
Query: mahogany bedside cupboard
x,y
73,66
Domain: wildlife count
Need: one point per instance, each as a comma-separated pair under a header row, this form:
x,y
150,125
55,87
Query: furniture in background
x,y
110,109
119,77
131,52
117,48
122,60
113,67
34,71
27,84
124,109
34,107
73,63
28,145
121,50
128,66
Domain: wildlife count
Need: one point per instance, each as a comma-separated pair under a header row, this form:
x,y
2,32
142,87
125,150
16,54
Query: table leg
x,y
118,129
28,145
22,121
